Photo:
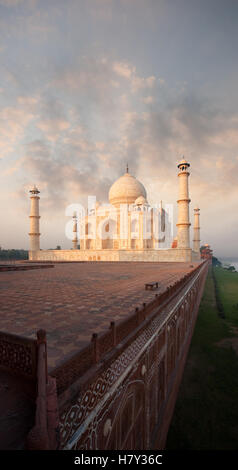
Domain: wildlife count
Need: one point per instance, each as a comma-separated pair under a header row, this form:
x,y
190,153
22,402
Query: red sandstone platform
x,y
72,301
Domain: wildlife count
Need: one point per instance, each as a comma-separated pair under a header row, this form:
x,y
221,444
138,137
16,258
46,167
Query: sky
x,y
87,86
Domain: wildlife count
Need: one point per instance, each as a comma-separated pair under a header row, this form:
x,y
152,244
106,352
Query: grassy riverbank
x,y
206,412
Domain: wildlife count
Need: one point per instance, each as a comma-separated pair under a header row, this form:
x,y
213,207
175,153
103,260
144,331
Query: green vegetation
x,y
6,255
228,287
206,412
219,303
231,268
215,261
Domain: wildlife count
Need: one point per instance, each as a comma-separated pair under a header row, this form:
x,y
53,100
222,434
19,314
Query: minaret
x,y
183,206
196,231
75,239
34,219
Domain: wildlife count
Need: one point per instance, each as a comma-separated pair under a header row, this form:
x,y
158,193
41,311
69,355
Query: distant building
x,y
206,252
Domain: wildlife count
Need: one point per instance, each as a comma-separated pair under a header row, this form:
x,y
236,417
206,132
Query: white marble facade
x,y
128,228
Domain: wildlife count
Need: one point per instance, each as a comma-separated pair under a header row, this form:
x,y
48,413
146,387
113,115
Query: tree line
x,y
13,254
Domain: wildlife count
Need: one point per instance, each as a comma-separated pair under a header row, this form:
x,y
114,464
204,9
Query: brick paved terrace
x,y
72,301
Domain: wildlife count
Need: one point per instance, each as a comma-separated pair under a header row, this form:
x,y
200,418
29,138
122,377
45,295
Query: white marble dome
x,y
126,190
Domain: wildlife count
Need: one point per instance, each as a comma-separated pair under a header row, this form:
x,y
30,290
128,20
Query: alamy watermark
x,y
128,221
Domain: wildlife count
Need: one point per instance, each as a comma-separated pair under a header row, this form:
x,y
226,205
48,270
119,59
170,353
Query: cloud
x,y
126,70
138,83
63,182
53,128
121,129
28,100
88,75
14,168
27,20
13,124
76,135
102,83
148,99
11,3
123,69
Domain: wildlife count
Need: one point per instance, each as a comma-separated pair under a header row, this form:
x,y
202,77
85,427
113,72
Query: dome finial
x,y
127,168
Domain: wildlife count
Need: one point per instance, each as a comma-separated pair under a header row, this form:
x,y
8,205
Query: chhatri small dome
x,y
184,163
126,190
141,200
34,190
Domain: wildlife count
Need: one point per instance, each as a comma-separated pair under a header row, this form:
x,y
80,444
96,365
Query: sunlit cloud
x,y
13,123
88,86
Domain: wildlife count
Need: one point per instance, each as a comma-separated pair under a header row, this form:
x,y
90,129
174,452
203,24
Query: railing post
x,y
52,414
137,315
95,347
113,330
38,438
41,339
144,310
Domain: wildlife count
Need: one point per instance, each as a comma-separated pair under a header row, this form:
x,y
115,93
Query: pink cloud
x,y
53,128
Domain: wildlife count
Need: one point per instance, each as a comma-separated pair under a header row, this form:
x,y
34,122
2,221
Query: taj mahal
x,y
128,228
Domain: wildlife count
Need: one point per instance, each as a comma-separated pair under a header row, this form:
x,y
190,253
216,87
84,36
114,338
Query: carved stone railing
x,y
43,435
153,352
38,437
26,359
18,355
150,344
103,344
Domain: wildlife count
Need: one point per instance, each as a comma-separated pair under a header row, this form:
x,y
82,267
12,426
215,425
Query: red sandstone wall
x,y
127,401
